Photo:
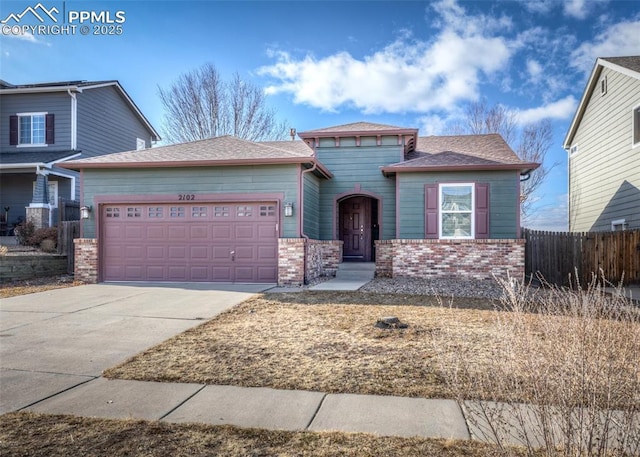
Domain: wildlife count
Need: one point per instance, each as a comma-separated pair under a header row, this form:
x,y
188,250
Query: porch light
x,y
288,209
84,212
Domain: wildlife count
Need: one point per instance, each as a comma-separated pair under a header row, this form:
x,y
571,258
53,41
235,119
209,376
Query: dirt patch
x,y
31,286
23,434
325,342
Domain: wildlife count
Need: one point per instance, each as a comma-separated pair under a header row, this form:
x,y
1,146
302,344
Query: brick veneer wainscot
x,y
302,260
86,260
470,259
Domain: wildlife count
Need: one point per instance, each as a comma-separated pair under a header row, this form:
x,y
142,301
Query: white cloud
x,y
561,109
406,75
576,8
26,36
621,39
534,69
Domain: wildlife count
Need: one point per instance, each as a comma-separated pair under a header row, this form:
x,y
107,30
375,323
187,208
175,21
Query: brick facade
x,y
301,260
86,260
472,259
322,258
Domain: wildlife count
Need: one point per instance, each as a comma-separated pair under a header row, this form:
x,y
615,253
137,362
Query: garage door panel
x,y
244,231
155,232
267,274
164,242
177,253
267,253
155,252
199,252
134,232
155,273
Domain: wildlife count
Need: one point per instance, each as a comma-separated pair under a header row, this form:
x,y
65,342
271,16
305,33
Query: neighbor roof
x,y
222,150
629,66
79,87
461,152
25,159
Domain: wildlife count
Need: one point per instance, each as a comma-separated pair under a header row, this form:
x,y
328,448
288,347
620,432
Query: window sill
x,y
32,145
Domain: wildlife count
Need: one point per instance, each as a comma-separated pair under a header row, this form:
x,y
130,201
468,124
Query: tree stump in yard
x,y
390,323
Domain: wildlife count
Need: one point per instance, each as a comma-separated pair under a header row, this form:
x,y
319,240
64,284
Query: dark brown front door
x,y
355,225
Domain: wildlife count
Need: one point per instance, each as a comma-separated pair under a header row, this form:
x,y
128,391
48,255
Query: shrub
x,y
564,375
48,245
24,231
48,233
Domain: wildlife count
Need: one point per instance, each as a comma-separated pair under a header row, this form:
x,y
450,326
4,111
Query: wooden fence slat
x,y
558,256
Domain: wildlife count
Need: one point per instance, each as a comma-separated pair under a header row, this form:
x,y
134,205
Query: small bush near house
x,y
567,377
29,236
24,231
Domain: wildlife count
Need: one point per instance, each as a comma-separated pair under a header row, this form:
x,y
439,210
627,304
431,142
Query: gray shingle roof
x,y
357,127
464,151
222,148
33,158
630,62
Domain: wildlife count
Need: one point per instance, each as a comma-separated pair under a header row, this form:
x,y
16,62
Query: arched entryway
x,y
358,227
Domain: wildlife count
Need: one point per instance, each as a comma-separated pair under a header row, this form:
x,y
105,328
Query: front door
x,y
355,229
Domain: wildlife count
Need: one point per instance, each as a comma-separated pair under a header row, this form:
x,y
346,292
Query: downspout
x,y
301,215
74,120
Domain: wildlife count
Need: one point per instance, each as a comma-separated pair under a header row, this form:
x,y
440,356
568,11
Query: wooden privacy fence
x,y
68,210
556,255
67,232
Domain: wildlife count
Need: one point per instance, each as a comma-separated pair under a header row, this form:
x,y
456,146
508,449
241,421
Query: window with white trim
x,y
618,225
456,219
636,126
32,129
52,190
140,144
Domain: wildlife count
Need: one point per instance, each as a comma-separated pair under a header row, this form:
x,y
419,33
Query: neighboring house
x,y
226,209
603,143
42,125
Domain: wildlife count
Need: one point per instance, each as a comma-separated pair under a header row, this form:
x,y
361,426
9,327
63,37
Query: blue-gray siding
x,y
56,103
106,123
202,180
311,192
503,194
358,165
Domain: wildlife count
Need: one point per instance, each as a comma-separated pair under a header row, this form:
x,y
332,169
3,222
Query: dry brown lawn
x,y
323,342
31,286
35,435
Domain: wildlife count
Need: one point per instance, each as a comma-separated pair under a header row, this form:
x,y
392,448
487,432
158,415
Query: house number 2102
x,y
186,197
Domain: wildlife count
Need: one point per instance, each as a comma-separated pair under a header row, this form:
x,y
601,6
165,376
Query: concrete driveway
x,y
53,341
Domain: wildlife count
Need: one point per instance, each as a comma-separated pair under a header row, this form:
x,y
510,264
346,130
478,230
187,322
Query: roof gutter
x,y
524,168
27,90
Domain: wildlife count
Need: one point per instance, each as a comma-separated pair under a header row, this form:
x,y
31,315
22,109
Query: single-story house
x,y
227,209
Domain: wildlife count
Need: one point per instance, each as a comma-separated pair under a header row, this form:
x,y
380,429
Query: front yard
x,y
325,342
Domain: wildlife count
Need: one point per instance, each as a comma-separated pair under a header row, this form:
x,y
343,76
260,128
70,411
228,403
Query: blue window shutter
x,y
49,126
431,211
13,130
482,210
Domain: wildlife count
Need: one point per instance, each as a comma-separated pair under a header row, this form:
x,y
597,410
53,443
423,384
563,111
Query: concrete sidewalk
x,y
260,408
350,276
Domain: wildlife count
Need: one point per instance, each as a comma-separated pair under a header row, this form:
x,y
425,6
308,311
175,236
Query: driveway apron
x,y
53,341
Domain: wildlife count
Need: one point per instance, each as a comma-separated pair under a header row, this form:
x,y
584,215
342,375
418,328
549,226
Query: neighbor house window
x,y
618,225
456,210
140,144
636,126
31,129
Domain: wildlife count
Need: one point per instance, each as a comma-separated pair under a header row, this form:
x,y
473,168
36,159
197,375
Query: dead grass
x,y
313,341
27,434
31,286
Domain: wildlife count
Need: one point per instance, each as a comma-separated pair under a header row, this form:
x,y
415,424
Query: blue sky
x,y
415,64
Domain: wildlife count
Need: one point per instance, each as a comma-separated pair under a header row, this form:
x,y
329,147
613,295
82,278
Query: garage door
x,y
217,242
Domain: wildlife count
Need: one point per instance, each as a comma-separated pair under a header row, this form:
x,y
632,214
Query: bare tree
x,y
200,105
531,142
